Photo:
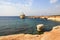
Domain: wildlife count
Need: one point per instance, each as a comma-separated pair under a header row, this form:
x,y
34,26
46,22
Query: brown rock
x,y
53,35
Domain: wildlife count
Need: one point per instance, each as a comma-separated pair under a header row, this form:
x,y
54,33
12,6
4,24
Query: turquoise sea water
x,y
14,25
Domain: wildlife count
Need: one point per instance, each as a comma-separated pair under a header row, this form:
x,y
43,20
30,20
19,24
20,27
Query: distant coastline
x,y
51,17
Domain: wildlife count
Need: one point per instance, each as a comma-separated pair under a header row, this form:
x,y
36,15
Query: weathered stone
x,y
40,27
54,34
56,27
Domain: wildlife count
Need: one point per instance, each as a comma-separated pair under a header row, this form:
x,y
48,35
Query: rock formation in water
x,y
40,27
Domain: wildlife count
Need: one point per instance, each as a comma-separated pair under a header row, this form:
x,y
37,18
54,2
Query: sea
x,y
14,25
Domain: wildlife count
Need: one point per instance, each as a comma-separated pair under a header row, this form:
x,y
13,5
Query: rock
x,y
56,27
54,18
54,34
40,27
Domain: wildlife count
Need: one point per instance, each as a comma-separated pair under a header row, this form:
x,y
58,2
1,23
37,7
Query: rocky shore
x,y
54,34
53,17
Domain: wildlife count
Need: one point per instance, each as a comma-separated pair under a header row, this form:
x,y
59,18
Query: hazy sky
x,y
29,7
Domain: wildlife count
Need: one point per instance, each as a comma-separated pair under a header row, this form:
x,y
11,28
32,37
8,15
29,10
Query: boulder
x,y
40,27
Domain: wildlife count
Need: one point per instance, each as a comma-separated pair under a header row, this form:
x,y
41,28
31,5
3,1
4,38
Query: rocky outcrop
x,y
54,18
56,27
52,35
40,27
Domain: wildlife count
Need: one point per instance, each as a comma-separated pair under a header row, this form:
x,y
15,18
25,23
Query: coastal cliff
x,y
52,35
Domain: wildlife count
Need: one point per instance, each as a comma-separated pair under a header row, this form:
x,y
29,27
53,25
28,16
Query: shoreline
x,y
54,34
53,17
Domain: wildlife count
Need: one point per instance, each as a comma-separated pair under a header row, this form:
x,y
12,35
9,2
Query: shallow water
x,y
13,25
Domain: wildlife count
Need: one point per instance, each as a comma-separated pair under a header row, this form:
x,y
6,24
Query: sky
x,y
29,7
